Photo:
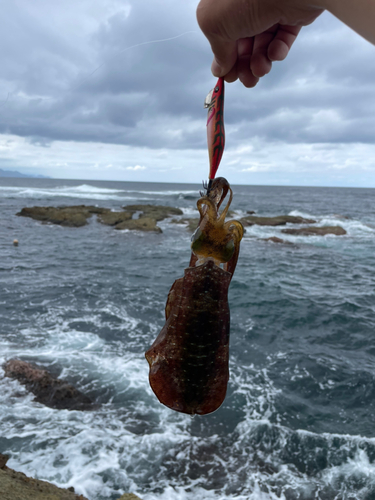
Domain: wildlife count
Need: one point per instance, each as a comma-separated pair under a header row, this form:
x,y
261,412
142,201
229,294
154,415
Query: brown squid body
x,y
189,358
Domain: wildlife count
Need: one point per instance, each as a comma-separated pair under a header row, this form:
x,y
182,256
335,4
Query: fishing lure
x,y
215,128
189,358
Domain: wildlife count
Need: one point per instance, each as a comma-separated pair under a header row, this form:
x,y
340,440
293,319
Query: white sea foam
x,y
180,192
88,191
97,453
359,469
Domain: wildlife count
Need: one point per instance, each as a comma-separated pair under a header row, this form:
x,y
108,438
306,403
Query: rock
x,y
318,231
191,224
72,216
114,218
48,390
275,239
3,460
157,212
17,486
129,496
77,216
279,220
91,209
141,224
340,216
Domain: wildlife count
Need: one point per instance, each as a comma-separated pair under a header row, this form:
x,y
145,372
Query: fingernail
x,y
216,69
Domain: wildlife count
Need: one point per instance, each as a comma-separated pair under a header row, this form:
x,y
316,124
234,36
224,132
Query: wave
x,y
83,191
88,191
121,446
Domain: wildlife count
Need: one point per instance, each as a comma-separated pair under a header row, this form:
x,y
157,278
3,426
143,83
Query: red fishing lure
x,y
215,126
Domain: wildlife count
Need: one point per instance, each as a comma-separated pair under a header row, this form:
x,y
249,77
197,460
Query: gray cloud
x,y
75,73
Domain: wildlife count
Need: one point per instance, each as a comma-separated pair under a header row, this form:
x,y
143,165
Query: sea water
x,y
86,303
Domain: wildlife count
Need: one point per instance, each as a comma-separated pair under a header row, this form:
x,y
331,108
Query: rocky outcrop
x,y
139,217
318,231
157,212
279,220
17,486
133,217
141,224
113,218
129,496
72,216
275,239
3,460
191,224
48,390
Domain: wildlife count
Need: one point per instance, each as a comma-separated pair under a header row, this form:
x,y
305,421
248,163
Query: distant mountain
x,y
14,173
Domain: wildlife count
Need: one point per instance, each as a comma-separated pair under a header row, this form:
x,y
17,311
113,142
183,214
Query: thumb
x,y
210,18
225,57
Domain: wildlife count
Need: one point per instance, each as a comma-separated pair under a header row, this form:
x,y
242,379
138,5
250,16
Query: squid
x,y
189,359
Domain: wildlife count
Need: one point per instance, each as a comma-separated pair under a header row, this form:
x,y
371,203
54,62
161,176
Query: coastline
x,y
17,486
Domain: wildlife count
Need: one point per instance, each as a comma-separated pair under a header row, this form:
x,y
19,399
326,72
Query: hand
x,y
246,36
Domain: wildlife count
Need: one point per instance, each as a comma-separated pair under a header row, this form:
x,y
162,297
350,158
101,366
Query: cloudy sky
x,y
114,90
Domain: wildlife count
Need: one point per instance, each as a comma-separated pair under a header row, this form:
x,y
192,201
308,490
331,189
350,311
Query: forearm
x,y
357,14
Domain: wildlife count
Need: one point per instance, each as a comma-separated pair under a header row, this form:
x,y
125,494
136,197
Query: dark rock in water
x,y
279,220
72,216
114,218
275,239
318,231
141,224
48,390
191,224
77,216
157,212
129,496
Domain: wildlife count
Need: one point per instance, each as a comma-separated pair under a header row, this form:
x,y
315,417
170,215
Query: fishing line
x,y
133,47
75,87
6,100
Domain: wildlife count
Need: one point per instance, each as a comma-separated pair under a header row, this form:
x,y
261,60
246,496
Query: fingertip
x,y
248,81
216,69
260,65
247,78
232,75
277,50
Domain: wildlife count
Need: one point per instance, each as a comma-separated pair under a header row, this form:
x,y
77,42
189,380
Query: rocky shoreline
x,y
145,217
54,393
17,486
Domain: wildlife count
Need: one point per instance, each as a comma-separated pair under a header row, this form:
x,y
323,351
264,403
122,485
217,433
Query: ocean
x,y
298,421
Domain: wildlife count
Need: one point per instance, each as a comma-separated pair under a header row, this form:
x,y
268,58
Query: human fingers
x,y
244,53
260,63
232,76
283,40
211,17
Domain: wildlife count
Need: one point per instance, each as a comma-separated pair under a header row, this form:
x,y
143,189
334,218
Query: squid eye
x,y
216,89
